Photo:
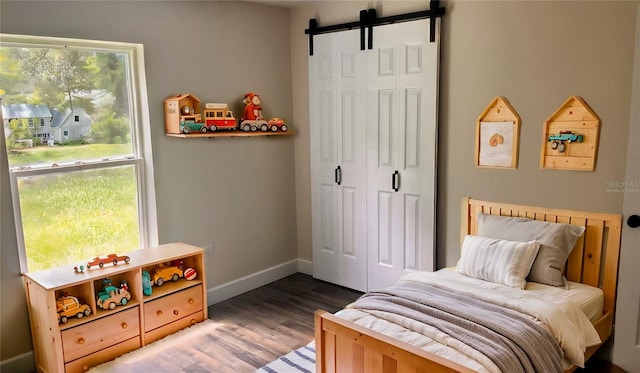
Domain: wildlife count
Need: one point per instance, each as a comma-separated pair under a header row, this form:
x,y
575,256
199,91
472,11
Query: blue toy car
x,y
558,140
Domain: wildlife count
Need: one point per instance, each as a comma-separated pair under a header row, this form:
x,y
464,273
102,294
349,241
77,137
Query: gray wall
x,y
251,197
233,192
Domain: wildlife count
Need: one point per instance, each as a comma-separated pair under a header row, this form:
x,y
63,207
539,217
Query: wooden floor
x,y
265,323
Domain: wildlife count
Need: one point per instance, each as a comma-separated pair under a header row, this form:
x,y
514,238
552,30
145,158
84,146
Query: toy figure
x,y
252,110
252,114
146,283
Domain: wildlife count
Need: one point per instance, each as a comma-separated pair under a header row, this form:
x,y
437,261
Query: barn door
x,y
402,81
338,159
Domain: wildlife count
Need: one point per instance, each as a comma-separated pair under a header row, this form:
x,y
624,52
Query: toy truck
x,y
68,306
164,273
112,296
219,117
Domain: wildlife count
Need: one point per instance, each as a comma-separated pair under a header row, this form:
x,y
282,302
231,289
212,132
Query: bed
x,y
369,336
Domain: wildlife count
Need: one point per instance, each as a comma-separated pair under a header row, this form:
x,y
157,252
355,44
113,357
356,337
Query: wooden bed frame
x,y
343,346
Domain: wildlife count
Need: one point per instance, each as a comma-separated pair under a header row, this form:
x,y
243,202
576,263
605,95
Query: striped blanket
x,y
513,342
302,360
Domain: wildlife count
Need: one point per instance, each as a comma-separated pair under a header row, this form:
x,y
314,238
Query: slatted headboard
x,y
594,259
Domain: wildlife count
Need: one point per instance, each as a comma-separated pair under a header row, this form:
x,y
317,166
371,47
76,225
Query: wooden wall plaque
x,y
570,137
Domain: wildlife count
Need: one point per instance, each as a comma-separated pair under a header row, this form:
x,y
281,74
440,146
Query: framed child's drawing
x,y
497,136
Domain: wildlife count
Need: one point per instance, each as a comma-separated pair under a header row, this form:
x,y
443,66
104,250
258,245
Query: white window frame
x,y
140,137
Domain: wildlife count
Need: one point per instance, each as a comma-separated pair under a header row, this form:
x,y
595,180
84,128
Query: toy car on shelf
x,y
253,125
164,273
111,258
68,306
187,126
112,296
558,140
276,124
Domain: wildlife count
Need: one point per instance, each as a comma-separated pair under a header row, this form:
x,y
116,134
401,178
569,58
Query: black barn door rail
x,y
368,19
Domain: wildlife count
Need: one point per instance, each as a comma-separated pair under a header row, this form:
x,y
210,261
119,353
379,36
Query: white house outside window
x,y
88,190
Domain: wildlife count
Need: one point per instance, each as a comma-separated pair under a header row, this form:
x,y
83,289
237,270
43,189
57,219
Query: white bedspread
x,y
564,318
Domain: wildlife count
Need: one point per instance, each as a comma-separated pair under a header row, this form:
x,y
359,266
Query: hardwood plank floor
x,y
268,322
263,324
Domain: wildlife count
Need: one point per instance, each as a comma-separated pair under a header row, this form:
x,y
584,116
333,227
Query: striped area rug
x,y
302,360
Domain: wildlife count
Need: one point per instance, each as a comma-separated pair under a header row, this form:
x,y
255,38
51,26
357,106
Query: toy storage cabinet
x,y
106,334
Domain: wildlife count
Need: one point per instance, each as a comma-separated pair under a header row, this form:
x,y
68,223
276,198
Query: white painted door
x,y
626,346
402,91
337,91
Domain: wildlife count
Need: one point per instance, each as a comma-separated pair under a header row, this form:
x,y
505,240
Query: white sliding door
x,y
373,128
401,136
337,78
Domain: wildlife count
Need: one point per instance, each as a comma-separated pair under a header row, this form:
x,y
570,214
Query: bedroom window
x,y
88,189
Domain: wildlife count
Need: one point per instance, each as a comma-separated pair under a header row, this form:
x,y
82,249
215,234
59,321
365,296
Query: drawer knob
x,y
191,301
193,321
175,312
159,313
85,368
80,341
124,325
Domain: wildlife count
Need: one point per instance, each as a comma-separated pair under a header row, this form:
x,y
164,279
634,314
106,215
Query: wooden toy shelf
x,y
81,343
229,134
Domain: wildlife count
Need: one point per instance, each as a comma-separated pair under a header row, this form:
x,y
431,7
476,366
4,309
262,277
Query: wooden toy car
x,y
276,124
187,126
68,306
112,296
111,258
165,273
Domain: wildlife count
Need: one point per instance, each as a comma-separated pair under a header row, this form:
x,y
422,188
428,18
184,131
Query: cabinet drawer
x,y
172,307
173,327
99,334
85,363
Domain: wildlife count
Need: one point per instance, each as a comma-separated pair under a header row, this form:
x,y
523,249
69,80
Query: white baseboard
x,y
242,285
23,363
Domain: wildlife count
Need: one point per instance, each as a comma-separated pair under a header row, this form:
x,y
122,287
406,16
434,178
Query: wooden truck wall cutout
x,y
570,137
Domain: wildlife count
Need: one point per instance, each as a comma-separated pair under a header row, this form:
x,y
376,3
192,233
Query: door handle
x,y
395,181
633,221
338,175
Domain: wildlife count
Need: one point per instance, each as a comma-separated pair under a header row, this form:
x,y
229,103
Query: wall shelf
x,y
229,134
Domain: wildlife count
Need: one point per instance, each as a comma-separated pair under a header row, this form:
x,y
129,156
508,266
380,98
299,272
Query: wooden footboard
x,y
345,347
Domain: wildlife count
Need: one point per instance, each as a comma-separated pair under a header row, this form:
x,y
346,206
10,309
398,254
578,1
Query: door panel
x,y
373,113
338,135
402,97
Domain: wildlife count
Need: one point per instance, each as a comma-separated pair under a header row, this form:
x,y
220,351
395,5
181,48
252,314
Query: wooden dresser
x,y
104,334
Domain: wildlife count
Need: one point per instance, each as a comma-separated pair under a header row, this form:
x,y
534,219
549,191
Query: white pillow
x,y
556,242
495,260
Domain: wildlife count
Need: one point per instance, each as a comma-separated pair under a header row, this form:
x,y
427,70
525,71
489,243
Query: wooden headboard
x,y
594,259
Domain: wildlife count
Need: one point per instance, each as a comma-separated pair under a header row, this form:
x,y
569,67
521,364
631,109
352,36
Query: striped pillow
x,y
500,261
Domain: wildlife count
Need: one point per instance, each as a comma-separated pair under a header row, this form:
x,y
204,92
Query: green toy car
x,y
558,140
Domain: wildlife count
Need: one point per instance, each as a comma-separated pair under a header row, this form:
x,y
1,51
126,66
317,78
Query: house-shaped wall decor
x,y
184,106
570,137
497,135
